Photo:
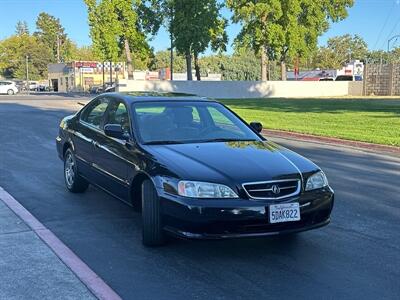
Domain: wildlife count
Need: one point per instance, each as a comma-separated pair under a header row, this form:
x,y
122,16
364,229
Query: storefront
x,y
80,76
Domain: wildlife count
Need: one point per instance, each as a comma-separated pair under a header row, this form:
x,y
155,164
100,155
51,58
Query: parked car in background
x,y
42,87
8,87
98,89
20,84
110,89
33,85
326,79
349,78
192,167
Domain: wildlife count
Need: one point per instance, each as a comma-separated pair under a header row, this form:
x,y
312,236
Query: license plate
x,y
285,212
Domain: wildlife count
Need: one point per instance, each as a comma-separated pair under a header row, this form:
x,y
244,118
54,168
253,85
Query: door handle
x,y
96,144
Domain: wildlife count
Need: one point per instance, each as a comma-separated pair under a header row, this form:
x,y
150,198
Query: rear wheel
x,y
10,92
74,182
152,232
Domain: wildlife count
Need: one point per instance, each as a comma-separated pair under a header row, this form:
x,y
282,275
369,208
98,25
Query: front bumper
x,y
236,218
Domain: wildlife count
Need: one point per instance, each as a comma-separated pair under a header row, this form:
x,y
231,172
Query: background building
x,y
79,76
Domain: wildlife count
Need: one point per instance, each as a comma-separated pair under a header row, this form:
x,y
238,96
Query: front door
x,y
90,123
113,157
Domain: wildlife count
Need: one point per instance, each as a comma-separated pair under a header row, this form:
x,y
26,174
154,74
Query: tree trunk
x,y
197,67
263,64
128,59
283,70
188,57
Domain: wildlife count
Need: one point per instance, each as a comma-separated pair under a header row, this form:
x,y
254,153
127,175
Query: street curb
x,y
331,141
89,278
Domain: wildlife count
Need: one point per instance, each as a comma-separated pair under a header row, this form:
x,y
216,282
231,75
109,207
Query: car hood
x,y
231,162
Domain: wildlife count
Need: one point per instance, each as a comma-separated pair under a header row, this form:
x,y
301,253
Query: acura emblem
x,y
275,189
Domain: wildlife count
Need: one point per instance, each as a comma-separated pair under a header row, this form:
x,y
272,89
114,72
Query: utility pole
x,y
27,73
172,43
391,39
111,80
172,60
104,79
58,48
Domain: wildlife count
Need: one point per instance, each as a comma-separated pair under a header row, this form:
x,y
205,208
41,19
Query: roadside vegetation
x,y
374,121
263,49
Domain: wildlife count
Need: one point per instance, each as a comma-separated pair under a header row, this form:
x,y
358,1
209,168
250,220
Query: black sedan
x,y
193,168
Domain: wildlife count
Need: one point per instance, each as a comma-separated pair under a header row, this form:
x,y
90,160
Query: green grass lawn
x,y
375,121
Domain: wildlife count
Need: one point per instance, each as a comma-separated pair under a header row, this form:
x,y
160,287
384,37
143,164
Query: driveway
x,y
356,256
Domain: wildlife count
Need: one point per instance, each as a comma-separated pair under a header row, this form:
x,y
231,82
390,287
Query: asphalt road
x,y
356,256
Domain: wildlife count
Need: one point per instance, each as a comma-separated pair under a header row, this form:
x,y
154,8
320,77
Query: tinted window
x,y
344,78
188,122
118,114
94,113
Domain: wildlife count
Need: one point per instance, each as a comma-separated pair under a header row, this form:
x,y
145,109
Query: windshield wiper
x,y
163,142
227,140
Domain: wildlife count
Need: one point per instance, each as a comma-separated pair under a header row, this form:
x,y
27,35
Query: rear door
x,y
90,123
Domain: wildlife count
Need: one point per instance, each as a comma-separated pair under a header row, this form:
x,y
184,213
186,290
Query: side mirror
x,y
115,131
257,126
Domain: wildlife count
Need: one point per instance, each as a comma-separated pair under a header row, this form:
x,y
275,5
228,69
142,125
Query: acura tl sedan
x,y
192,167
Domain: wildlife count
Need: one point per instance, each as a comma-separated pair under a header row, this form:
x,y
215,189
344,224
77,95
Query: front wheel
x,y
74,182
10,92
152,232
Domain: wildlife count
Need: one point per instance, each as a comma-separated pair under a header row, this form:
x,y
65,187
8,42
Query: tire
x,y
73,181
152,232
10,92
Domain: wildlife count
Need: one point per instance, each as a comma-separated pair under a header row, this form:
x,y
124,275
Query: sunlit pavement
x,y
356,256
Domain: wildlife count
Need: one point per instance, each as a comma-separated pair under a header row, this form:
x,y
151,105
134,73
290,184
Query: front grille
x,y
277,189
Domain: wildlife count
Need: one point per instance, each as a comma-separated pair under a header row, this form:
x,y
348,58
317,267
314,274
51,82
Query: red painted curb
x,y
331,141
92,281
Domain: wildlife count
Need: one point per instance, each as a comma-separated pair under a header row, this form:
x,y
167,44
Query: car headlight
x,y
316,181
196,189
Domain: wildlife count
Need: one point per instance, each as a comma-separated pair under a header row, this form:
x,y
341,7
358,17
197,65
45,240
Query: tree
x,y
341,49
118,26
84,53
284,29
21,28
14,51
161,60
52,34
242,65
195,25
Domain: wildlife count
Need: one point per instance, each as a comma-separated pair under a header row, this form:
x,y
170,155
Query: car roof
x,y
131,97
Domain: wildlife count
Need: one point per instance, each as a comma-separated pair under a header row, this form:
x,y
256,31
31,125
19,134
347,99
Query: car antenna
x,y
81,103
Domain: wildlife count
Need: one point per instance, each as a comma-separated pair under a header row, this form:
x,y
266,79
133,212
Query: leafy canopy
x,y
285,28
341,49
196,24
114,21
49,33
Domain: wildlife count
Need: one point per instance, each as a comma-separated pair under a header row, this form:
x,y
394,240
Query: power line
x,y
384,25
391,32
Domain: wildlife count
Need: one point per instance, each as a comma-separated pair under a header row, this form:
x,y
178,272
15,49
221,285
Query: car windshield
x,y
174,122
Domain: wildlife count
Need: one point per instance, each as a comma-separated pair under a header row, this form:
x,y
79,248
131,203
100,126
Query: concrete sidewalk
x,y
29,269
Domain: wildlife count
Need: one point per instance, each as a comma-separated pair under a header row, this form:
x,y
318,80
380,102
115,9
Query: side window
x,y
93,114
118,114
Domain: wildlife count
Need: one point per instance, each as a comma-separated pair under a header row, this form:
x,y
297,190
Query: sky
x,y
374,20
